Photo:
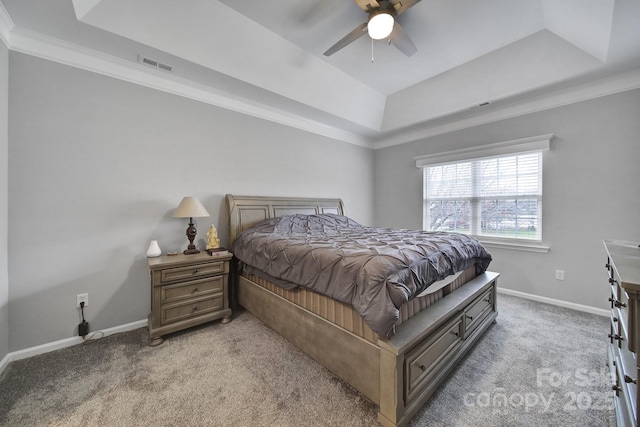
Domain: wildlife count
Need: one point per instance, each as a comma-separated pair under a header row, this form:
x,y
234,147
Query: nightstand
x,y
187,290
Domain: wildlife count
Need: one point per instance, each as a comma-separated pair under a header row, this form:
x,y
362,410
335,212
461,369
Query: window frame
x,y
520,146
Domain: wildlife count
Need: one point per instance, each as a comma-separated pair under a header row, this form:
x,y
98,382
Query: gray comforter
x,y
375,270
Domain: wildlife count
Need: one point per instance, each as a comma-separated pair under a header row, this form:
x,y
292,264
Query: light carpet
x,y
539,365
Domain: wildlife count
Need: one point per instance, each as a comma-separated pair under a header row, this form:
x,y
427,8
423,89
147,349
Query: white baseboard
x,y
67,342
571,305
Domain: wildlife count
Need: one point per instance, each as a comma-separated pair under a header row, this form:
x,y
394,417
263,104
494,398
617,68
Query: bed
x,y
397,367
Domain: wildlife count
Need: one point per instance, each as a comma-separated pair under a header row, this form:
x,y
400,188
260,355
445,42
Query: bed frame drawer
x,y
424,362
478,310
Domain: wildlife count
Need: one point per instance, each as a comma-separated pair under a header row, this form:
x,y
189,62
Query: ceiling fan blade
x,y
401,40
348,39
403,5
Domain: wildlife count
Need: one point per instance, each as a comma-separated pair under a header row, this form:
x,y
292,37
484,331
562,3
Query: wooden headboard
x,y
246,211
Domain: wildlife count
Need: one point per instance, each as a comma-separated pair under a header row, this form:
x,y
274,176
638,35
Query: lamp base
x,y
191,235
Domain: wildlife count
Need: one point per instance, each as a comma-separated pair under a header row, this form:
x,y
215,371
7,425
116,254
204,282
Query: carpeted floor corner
x,y
539,365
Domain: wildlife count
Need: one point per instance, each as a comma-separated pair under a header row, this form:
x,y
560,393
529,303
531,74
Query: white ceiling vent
x,y
154,63
482,104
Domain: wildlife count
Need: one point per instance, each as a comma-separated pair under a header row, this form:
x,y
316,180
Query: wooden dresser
x,y
623,265
187,290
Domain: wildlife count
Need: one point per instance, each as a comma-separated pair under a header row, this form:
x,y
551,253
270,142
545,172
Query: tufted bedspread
x,y
375,270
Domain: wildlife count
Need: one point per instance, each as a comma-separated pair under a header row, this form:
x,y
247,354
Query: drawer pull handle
x,y
617,303
195,307
469,317
196,290
455,333
612,281
488,299
616,389
615,337
424,368
615,319
607,266
195,271
628,379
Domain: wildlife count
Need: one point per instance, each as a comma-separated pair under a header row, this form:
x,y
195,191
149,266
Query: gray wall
x,y
4,280
97,167
591,183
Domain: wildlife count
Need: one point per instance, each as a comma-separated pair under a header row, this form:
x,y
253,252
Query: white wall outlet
x,y
80,298
559,274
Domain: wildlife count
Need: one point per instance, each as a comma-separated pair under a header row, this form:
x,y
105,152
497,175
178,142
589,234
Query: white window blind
x,y
497,197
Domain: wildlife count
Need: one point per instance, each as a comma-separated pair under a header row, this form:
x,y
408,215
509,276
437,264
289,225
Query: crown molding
x,y
6,26
56,50
582,92
46,47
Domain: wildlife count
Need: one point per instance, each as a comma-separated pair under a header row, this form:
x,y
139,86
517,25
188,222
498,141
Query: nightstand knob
x,y
195,271
196,290
424,368
612,281
195,307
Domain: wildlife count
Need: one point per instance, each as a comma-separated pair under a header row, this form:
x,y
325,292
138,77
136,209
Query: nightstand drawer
x,y
192,271
177,312
191,289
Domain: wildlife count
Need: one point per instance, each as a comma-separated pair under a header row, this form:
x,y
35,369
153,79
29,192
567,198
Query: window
x,y
497,196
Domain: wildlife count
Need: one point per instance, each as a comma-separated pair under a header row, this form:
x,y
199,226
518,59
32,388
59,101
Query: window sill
x,y
516,246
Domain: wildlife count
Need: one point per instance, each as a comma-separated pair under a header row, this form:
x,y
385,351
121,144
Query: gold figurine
x,y
212,238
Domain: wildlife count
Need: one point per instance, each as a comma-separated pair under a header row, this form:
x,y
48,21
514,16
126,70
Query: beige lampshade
x,y
190,207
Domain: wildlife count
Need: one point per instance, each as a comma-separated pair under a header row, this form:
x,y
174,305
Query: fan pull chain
x,y
372,51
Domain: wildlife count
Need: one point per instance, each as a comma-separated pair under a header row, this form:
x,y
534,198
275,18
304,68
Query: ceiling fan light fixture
x,y
380,25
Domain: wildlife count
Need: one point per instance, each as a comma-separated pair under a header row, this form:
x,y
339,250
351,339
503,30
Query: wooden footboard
x,y
425,350
401,373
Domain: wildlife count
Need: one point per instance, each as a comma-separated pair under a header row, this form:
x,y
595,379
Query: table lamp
x,y
190,207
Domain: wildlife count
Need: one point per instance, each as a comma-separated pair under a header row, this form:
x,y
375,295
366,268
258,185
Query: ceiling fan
x,y
380,25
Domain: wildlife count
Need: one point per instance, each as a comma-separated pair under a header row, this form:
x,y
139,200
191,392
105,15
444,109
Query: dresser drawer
x,y
624,402
191,289
425,361
199,307
192,271
477,311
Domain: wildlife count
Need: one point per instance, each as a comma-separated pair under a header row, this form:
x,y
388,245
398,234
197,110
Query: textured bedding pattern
x,y
375,270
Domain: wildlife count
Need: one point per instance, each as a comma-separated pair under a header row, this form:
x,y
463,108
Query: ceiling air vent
x,y
482,104
155,64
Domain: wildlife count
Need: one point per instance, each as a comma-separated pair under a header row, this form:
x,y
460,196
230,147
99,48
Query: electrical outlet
x,y
559,274
82,298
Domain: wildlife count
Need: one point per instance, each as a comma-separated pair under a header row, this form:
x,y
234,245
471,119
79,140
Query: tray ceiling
x,y
470,52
